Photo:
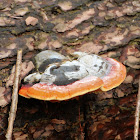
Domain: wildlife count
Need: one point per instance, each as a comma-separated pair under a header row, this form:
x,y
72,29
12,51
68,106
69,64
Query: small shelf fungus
x,y
59,78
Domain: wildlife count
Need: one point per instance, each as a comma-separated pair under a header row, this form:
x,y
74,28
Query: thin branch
x,y
137,113
13,108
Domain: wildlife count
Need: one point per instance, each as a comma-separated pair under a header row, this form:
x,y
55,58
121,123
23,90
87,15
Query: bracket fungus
x,y
63,79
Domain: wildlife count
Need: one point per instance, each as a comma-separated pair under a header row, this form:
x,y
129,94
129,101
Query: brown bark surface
x,y
105,27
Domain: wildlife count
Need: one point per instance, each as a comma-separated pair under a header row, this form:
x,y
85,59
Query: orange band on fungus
x,y
23,91
54,92
115,76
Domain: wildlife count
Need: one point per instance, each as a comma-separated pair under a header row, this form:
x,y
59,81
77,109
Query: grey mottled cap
x,y
32,78
44,58
64,74
68,71
95,65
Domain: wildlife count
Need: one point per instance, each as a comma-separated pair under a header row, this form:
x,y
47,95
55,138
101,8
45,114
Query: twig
x,y
137,113
13,108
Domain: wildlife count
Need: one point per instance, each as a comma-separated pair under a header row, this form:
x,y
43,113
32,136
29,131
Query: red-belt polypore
x,y
58,78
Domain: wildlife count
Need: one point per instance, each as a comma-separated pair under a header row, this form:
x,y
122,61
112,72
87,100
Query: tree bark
x,y
105,27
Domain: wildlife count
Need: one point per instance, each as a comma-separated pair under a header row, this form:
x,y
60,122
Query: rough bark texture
x,y
107,27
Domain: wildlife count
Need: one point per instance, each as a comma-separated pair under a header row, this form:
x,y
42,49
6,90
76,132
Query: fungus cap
x,y
109,70
44,58
69,79
115,76
54,92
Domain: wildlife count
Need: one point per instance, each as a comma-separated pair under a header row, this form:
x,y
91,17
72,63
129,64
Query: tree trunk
x,y
105,27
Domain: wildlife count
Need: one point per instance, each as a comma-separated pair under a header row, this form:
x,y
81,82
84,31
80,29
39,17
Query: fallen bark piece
x,y
20,135
26,67
68,79
5,96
